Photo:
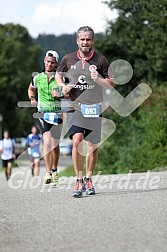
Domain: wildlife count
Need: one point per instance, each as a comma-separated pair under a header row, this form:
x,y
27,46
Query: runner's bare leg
x,y
9,169
47,150
55,152
91,158
78,159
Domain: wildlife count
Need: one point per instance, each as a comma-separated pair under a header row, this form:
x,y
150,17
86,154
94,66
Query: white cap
x,y
54,54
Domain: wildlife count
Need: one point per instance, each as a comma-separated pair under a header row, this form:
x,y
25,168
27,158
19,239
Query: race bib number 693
x,y
90,110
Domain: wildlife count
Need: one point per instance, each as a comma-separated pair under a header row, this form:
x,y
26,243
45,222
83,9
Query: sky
x,y
56,16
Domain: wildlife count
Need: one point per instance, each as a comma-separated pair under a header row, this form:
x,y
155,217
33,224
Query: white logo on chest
x,y
81,79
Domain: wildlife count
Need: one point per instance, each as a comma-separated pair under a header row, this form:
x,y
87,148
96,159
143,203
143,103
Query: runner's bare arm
x,y
107,82
31,93
59,80
65,88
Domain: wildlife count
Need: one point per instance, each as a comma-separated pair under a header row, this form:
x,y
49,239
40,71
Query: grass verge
x,y
68,172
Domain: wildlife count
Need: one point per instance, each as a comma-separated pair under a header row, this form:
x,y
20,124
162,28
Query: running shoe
x,y
90,190
55,178
83,186
79,188
48,178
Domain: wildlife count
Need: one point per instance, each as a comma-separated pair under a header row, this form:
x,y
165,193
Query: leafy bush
x,y
140,140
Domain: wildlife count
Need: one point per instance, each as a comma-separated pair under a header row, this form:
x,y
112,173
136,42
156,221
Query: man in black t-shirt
x,y
87,74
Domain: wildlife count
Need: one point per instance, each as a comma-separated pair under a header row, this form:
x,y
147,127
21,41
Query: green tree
x,y
18,59
140,140
139,36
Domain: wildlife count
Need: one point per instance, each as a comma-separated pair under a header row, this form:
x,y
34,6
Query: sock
x,y
88,179
54,170
80,180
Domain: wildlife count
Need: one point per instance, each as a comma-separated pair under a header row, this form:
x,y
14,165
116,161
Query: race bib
x,y
90,110
51,117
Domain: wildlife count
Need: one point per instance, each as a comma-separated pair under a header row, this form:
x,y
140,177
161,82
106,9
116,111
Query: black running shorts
x,y
54,129
5,162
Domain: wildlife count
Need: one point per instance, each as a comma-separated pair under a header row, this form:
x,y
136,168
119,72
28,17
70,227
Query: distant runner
x,y
7,150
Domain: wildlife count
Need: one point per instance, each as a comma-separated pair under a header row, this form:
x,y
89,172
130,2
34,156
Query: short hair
x,y
6,131
35,126
85,29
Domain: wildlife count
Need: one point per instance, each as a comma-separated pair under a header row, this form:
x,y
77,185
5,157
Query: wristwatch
x,y
60,90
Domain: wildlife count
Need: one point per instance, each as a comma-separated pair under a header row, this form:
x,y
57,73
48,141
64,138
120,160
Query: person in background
x,y
50,117
88,73
33,144
7,150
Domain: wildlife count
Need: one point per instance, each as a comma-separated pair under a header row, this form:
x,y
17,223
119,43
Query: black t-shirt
x,y
78,71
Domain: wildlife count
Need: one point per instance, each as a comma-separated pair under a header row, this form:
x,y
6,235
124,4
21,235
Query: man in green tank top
x,y
49,106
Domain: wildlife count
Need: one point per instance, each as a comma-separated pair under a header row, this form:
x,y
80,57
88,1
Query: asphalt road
x,y
127,214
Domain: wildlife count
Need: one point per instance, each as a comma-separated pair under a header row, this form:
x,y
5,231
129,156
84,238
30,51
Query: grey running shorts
x,y
90,127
